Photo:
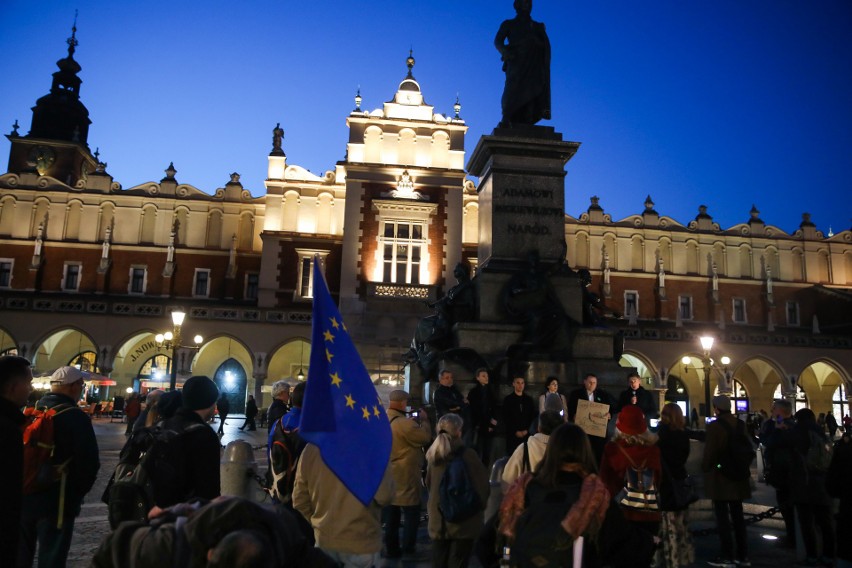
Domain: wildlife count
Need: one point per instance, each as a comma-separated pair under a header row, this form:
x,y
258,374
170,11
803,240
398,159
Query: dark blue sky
x,y
724,103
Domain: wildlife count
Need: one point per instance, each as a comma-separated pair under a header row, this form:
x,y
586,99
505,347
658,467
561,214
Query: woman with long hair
x,y
677,549
452,542
633,453
567,479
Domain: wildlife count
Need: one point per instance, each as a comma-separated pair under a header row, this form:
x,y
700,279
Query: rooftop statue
x,y
526,61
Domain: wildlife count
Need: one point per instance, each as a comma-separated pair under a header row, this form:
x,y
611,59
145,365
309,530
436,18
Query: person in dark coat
x,y
48,515
776,435
223,407
831,424
673,441
200,445
448,398
15,387
483,413
280,403
838,486
251,413
228,531
727,494
635,394
590,391
518,415
812,502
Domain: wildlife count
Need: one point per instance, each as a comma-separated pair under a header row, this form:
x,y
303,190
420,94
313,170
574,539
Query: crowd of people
x,y
616,499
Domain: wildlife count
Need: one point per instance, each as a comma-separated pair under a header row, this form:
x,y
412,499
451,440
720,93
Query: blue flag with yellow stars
x,y
341,413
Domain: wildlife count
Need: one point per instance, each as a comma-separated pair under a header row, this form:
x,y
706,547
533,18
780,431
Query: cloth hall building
x,y
90,269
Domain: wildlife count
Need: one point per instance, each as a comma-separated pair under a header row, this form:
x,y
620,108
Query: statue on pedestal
x,y
526,61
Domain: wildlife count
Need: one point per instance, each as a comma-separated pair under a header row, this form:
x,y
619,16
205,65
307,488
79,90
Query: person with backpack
x,y
528,455
410,436
631,469
812,502
198,470
727,481
52,502
458,492
280,403
284,449
544,513
15,387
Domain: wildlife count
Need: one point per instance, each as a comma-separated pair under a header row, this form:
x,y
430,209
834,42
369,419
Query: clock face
x,y
41,157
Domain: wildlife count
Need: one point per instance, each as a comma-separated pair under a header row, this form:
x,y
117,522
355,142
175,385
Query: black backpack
x,y
285,449
540,540
735,464
458,499
150,472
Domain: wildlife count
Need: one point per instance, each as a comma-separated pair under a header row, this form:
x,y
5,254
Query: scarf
x,y
585,516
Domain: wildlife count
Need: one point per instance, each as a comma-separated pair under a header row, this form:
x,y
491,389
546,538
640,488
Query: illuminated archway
x,y
8,345
60,347
801,400
642,365
840,403
231,379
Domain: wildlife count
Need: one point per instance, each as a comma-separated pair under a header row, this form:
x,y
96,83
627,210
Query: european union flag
x,y
341,413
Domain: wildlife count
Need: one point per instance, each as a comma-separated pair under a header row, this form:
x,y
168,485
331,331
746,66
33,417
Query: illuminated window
x,y
801,398
793,314
839,403
685,306
6,272
739,397
305,274
402,245
631,303
739,310
71,277
201,287
138,280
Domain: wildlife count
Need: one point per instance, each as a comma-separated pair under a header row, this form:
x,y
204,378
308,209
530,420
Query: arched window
x,y
7,212
719,258
692,257
246,235
181,224
105,220
637,254
407,147
798,265
155,372
801,397
39,216
470,229
440,149
840,403
85,361
149,219
214,230
824,267
373,144
745,262
231,379
739,397
677,393
324,214
582,260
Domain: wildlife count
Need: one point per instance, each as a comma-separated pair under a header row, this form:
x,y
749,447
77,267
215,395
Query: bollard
x,y
236,470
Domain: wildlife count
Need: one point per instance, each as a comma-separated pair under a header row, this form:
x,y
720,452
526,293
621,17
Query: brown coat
x,y
716,486
341,523
406,458
469,528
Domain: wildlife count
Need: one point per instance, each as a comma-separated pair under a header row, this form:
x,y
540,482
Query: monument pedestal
x,y
521,195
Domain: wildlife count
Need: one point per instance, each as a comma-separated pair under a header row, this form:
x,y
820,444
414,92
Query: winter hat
x,y
169,403
66,376
199,392
722,402
631,421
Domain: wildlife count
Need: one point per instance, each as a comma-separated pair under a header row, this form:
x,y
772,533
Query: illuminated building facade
x,y
90,270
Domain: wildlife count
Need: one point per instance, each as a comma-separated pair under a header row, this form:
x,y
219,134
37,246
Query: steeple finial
x,y
410,63
358,99
457,106
72,41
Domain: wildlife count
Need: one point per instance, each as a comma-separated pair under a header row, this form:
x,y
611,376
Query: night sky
x,y
725,103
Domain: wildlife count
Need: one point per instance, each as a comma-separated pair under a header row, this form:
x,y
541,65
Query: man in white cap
x,y
49,512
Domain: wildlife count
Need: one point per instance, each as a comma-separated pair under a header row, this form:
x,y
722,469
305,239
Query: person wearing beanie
x,y
726,493
198,472
632,446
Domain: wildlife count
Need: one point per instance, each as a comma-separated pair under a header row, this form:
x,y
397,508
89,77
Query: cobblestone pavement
x,y
92,524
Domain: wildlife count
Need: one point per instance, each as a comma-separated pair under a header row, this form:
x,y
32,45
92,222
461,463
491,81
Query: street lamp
x,y
171,340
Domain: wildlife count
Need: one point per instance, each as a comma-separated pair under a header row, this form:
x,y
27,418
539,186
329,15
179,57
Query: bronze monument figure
x,y
525,50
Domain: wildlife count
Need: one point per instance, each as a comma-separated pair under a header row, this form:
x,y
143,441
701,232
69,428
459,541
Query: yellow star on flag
x,y
335,379
328,355
350,402
328,336
334,323
366,412
376,411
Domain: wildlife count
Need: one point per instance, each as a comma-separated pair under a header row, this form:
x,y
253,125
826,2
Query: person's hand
x,y
633,400
493,422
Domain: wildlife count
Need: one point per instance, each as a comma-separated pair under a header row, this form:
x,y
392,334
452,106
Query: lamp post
x,y
171,340
706,346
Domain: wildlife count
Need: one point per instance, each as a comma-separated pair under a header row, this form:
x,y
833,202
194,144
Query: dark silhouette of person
x,y
526,61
